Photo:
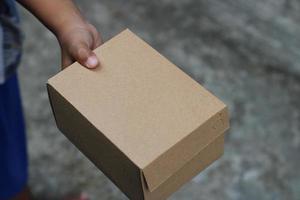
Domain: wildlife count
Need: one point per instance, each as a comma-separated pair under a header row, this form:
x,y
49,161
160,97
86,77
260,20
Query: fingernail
x,y
92,62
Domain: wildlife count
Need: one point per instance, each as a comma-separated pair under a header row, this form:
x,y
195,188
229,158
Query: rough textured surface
x,y
245,52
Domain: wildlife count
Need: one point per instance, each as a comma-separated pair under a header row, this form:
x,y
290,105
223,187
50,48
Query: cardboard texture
x,y
141,120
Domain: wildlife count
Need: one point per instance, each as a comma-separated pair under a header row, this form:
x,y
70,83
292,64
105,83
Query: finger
x,y
97,40
66,60
84,55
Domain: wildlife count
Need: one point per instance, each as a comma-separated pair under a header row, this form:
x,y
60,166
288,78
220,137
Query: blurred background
x,y
245,52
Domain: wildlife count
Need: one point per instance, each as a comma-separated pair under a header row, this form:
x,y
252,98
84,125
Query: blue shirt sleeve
x,y
10,39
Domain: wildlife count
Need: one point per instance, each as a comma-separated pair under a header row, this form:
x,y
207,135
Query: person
x,y
77,39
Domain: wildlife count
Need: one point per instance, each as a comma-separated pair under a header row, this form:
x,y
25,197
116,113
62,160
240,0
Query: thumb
x,y
85,56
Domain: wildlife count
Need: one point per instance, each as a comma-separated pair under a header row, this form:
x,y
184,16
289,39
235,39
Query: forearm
x,y
76,37
56,15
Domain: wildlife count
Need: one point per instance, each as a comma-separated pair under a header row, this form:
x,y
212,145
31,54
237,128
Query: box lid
x,y
140,101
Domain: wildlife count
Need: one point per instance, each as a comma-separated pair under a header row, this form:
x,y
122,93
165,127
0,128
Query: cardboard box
x,y
142,121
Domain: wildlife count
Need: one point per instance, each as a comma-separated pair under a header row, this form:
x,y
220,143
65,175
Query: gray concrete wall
x,y
245,52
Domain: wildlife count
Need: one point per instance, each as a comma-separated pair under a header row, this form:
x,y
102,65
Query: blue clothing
x,y
13,154
10,39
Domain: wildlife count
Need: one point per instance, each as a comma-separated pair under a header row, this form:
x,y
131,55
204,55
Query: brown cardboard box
x,y
147,125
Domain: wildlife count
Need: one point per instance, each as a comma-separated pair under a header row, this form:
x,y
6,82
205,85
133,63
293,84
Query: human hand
x,y
77,42
77,38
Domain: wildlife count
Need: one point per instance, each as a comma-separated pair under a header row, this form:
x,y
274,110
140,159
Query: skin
x,y
77,39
